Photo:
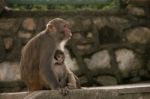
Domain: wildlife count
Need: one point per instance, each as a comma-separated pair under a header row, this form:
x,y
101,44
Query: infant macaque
x,y
65,77
60,68
59,57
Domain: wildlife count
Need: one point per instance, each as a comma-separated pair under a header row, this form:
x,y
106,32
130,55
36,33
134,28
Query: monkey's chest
x,y
60,72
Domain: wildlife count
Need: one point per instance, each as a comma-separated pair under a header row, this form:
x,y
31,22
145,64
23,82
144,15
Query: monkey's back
x,y
30,60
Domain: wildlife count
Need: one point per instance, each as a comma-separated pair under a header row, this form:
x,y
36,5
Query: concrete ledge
x,y
138,91
17,95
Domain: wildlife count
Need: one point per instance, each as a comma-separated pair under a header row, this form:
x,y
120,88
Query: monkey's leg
x,y
71,81
35,86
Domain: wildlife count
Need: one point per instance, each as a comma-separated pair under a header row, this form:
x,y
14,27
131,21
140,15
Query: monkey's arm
x,y
78,84
71,81
45,67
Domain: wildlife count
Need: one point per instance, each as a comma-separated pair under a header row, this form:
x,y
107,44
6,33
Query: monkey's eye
x,y
61,56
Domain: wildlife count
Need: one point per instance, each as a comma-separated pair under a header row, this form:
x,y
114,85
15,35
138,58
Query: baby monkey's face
x,y
60,58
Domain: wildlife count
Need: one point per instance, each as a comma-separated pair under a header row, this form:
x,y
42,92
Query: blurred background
x,y
110,43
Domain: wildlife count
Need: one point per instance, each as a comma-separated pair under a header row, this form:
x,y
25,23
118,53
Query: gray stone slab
x,y
134,91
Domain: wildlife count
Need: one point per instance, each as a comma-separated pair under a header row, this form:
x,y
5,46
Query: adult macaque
x,y
65,76
3,6
136,1
37,58
144,3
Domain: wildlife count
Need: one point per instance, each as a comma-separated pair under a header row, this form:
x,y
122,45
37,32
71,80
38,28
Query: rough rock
x,y
139,35
9,71
128,62
80,24
8,43
136,11
99,22
4,23
25,35
76,36
115,22
29,24
86,23
71,22
83,47
100,60
89,35
107,80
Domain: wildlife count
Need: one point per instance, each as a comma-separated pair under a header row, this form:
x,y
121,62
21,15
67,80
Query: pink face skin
x,y
67,31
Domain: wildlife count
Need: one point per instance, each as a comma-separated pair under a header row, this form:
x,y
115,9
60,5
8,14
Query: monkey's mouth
x,y
68,36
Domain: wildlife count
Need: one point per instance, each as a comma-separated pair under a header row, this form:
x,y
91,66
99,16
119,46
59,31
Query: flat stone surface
x,y
17,95
141,91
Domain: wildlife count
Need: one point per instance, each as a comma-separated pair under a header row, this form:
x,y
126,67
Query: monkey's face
x,y
60,28
60,58
64,30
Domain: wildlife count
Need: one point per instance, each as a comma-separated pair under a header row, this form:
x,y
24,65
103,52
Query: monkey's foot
x,y
64,91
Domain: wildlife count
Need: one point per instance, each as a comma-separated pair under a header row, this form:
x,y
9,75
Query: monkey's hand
x,y
64,91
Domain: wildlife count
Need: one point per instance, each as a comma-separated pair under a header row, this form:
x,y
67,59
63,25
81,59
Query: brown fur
x,y
3,6
38,55
64,75
137,1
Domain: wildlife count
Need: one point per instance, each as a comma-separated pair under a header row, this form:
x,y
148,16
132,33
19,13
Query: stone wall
x,y
106,48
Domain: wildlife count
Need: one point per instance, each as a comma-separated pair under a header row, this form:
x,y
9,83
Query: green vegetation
x,y
66,7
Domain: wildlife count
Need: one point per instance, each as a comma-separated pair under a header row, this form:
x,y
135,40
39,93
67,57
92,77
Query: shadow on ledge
x,y
136,91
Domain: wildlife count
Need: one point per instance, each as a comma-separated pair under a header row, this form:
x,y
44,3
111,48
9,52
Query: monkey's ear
x,y
51,28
